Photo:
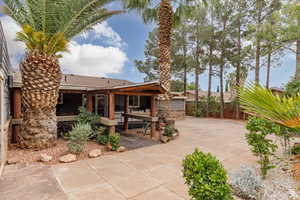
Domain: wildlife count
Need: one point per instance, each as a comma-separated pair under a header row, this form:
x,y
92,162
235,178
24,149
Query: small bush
x,y
205,177
169,130
78,137
102,139
295,150
114,141
246,183
261,146
86,117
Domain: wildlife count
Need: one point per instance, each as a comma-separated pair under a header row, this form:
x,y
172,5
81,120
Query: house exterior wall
x,y
4,98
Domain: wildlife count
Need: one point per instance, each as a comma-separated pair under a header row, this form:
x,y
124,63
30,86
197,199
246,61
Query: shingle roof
x,y
78,82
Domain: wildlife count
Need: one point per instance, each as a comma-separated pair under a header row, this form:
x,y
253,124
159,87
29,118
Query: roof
x,y
78,82
146,89
96,84
277,89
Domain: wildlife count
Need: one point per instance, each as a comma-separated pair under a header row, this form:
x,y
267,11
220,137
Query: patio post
x,y
153,113
17,114
126,108
89,104
111,111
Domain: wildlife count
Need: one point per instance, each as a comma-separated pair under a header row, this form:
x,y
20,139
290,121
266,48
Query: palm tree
x,y
166,17
47,28
261,102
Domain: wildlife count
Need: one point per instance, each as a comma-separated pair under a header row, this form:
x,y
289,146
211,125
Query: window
x,y
134,101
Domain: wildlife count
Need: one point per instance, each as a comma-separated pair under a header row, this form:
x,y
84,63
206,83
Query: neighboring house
x,y
4,97
276,90
190,94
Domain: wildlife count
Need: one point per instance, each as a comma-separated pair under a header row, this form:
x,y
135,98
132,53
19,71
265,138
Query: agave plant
x,y
260,101
47,28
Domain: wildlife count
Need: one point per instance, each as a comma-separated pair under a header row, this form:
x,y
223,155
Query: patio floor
x,y
147,173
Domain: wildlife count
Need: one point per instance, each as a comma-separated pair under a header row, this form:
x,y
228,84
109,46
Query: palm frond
x,y
260,101
54,22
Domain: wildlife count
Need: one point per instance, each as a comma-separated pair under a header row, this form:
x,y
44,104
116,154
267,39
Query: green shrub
x,y
295,150
102,139
101,130
205,177
261,146
292,88
169,130
114,141
78,137
86,117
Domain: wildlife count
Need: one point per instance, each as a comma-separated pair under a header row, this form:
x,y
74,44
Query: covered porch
x,y
116,105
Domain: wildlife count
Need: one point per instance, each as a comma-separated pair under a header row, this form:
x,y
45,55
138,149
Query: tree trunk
x,y
238,73
297,75
209,81
222,90
268,70
41,78
184,78
197,87
258,41
164,61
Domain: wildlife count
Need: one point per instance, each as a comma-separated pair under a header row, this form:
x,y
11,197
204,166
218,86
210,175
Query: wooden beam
x,y
73,91
111,111
89,103
17,112
142,117
126,109
153,112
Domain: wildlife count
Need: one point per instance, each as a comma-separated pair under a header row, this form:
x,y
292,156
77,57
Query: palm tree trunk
x,y
268,70
41,77
164,61
222,90
297,75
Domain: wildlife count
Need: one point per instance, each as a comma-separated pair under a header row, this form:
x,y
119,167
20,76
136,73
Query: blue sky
x,y
111,49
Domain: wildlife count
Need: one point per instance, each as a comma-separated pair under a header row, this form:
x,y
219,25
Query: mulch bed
x,y
129,141
297,168
30,156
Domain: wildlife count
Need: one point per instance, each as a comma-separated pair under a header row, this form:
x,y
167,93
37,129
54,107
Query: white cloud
x,y
84,58
93,60
104,32
15,49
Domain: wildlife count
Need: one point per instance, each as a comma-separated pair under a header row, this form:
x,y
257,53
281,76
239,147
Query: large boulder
x,y
45,158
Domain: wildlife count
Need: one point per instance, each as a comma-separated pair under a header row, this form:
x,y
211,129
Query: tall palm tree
x,y
261,102
47,28
166,15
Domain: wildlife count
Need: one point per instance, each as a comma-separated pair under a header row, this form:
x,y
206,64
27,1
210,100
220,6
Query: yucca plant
x,y
47,28
260,101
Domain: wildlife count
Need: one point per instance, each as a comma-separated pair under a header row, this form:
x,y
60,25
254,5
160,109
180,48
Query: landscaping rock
x,y
45,158
121,149
68,158
95,153
164,139
12,161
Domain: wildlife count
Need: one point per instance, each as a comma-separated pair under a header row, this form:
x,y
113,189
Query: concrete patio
x,y
143,174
